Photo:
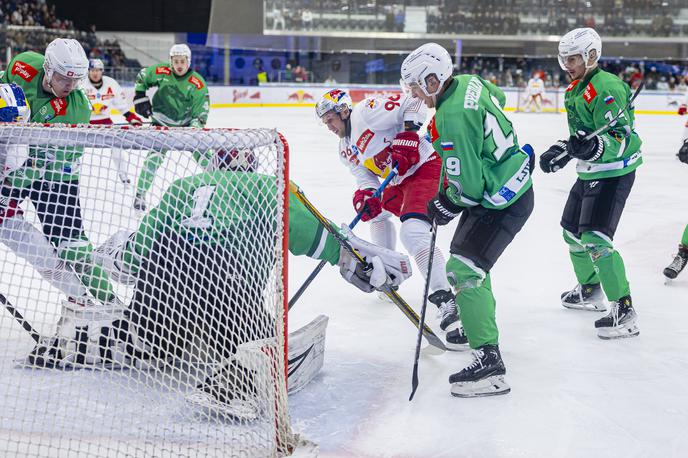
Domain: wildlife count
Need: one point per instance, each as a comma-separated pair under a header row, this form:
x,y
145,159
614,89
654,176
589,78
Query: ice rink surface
x,y
573,395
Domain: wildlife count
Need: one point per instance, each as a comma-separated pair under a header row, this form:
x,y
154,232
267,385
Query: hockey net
x,y
172,395
549,102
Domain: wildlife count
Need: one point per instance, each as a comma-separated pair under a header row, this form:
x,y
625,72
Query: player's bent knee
x,y
597,245
463,273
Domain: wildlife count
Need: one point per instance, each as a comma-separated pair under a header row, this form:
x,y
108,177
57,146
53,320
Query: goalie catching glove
x,y
383,266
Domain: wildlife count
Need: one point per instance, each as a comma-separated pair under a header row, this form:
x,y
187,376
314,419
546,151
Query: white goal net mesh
x,y
149,331
529,101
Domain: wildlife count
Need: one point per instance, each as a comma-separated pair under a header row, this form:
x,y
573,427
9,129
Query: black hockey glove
x,y
555,157
142,105
442,210
683,153
587,150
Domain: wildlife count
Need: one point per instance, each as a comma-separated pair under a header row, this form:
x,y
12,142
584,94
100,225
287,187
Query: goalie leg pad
x,y
306,353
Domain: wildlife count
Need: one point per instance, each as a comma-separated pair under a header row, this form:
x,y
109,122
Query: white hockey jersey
x,y
536,86
374,124
110,95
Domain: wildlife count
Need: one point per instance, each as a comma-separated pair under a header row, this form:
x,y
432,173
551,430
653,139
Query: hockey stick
x,y
319,267
20,319
429,335
414,376
608,126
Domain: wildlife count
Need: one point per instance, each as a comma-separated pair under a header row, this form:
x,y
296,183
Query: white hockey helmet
x,y
66,57
14,107
581,42
428,59
336,99
180,50
96,64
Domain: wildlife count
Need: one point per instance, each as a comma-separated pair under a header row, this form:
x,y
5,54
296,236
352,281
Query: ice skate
x,y
584,297
447,312
483,377
621,321
678,264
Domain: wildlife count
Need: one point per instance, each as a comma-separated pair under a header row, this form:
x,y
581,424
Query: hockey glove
x,y
133,119
586,150
682,110
683,153
142,105
442,210
555,157
365,202
405,152
383,266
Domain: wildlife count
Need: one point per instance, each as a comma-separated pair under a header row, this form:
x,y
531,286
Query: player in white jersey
x,y
23,238
536,89
104,94
375,135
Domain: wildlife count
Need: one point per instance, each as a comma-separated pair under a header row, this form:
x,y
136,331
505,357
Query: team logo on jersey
x,y
590,93
59,106
371,103
364,139
609,100
572,85
163,71
24,70
383,159
196,82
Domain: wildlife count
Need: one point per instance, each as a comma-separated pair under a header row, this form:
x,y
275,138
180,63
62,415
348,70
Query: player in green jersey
x,y
50,180
201,262
606,172
181,100
485,179
681,258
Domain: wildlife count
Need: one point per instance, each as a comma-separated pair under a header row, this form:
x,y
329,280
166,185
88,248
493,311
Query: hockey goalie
x,y
198,277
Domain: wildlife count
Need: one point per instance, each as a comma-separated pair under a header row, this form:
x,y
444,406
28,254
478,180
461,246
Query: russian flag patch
x,y
609,100
447,146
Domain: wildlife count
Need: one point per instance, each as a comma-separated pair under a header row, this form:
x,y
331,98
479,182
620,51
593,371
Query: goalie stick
x,y
20,319
607,126
319,267
429,335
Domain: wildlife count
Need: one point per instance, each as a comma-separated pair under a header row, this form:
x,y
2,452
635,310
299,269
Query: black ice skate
x,y
621,321
229,394
446,309
483,377
456,339
678,264
584,297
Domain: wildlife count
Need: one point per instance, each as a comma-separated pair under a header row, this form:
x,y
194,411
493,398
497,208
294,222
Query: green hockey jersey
x,y
236,209
180,101
60,163
590,104
481,158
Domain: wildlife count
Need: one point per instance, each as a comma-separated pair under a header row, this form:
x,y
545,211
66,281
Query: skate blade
x,y
451,327
235,410
456,346
620,332
586,306
491,386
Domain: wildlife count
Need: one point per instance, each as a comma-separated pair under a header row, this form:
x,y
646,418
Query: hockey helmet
x,y
336,99
428,59
66,57
180,49
95,64
581,42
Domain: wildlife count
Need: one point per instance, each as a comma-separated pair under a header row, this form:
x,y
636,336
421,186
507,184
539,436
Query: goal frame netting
x,y
549,101
184,431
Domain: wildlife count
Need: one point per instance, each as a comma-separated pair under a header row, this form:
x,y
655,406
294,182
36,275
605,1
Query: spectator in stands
x,y
300,74
307,19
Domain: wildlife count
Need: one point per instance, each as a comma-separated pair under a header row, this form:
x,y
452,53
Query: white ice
x,y
573,395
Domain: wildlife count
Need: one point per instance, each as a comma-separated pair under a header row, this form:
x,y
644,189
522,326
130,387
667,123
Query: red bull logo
x,y
300,96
